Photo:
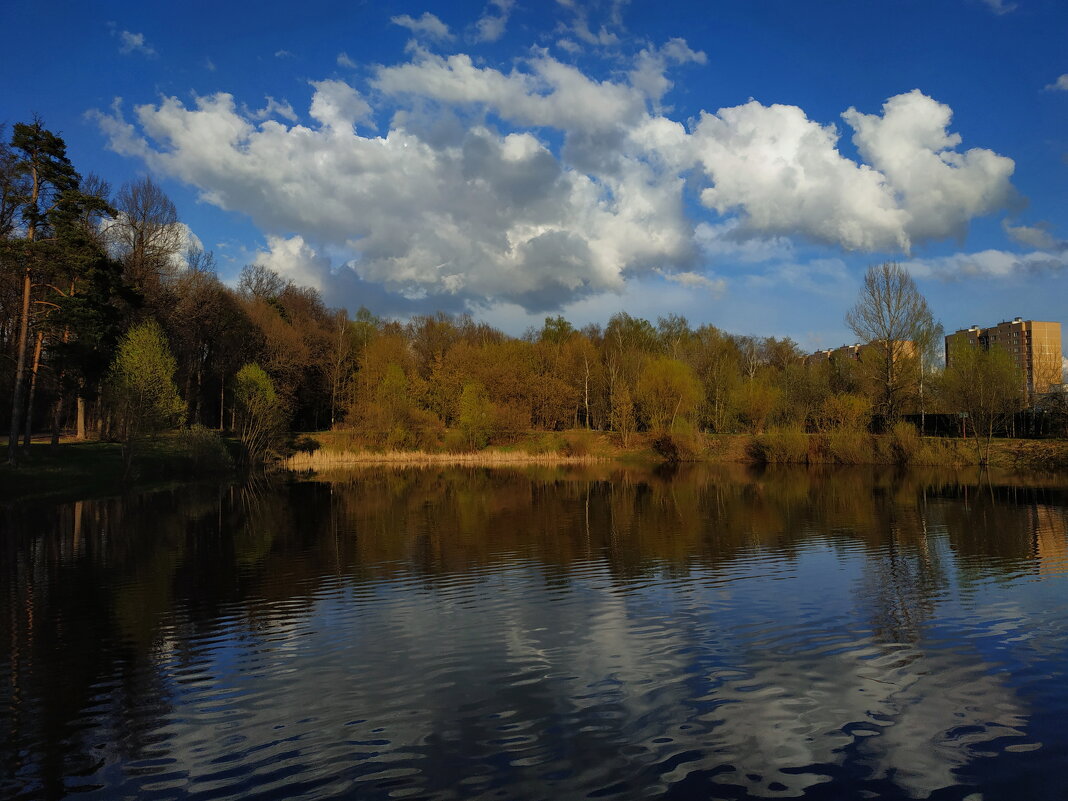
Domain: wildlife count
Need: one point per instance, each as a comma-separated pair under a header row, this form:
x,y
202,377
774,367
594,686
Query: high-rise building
x,y
1034,346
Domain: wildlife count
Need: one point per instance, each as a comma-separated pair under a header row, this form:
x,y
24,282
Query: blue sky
x,y
739,163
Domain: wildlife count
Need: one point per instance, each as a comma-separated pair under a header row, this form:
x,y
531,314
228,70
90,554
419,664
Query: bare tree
x,y
892,318
146,235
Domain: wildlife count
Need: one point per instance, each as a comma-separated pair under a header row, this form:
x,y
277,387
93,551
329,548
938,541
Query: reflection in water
x,y
456,633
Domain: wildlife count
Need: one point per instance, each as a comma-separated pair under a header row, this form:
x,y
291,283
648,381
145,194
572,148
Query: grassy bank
x,y
86,469
334,449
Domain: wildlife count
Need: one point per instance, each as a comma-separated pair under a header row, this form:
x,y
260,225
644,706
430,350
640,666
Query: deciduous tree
x,y
892,317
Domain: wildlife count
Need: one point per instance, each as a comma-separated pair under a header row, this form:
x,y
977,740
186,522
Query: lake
x,y
543,633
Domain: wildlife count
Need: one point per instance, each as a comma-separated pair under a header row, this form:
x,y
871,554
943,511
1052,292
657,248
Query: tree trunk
x,y
81,417
20,373
57,417
27,431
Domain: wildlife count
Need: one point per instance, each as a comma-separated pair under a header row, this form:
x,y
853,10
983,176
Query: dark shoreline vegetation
x,y
97,469
111,329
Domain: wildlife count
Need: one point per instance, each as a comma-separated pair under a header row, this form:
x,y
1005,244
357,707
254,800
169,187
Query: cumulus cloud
x,y
491,25
784,172
428,26
292,258
1059,85
541,184
130,42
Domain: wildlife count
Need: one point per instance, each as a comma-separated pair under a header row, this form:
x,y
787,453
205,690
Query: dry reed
x,y
322,460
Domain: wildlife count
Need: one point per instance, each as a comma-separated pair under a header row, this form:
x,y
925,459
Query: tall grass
x,y
324,460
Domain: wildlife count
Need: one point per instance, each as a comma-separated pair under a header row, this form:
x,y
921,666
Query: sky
x,y
739,163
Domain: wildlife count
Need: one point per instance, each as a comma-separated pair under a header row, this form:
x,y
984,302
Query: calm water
x,y
542,634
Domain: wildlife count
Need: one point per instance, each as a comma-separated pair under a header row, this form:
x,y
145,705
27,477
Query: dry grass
x,y
325,460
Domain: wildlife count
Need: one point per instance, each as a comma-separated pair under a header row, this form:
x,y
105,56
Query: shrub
x,y
781,446
905,442
575,445
849,447
666,448
203,451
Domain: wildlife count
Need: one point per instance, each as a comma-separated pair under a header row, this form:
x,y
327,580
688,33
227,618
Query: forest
x,y
112,327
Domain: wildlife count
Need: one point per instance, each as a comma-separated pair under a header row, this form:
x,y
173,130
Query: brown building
x,y
901,348
1034,346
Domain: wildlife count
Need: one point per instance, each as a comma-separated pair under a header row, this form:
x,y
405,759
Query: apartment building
x,y
1035,346
900,349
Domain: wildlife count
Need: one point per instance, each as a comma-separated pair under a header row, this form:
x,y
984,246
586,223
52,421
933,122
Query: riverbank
x,y
334,449
94,468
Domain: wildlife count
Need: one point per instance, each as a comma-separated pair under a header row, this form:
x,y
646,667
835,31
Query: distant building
x,y
902,348
1034,346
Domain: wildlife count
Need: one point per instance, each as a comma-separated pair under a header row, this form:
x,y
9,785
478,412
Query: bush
x,y
666,448
575,445
545,443
203,451
849,447
781,446
905,443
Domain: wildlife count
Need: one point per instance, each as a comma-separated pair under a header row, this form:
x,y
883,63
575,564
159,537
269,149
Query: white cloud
x,y
939,188
449,208
1035,236
283,54
274,108
209,65
491,25
293,259
714,286
580,27
999,7
648,74
343,60
785,174
988,264
427,25
338,106
134,43
1059,85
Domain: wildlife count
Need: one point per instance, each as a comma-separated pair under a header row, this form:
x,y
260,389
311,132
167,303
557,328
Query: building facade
x,y
1034,346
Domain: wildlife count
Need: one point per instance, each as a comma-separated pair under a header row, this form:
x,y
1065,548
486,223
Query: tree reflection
x,y
106,604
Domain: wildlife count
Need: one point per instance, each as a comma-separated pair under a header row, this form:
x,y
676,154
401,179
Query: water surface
x,y
541,634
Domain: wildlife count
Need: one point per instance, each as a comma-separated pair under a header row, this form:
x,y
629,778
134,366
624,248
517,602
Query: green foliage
x,y
140,385
622,416
754,402
845,412
668,391
203,451
259,413
987,387
475,417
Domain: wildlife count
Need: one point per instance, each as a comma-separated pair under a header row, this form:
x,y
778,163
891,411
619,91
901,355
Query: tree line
x,y
112,325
